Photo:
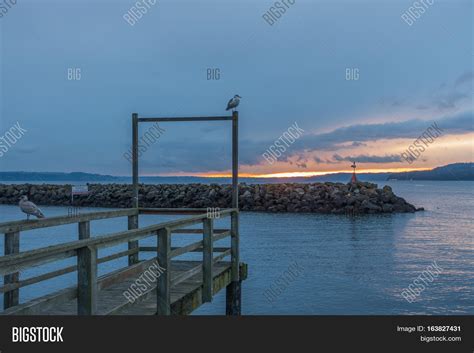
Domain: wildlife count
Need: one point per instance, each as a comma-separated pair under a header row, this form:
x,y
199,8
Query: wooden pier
x,y
178,289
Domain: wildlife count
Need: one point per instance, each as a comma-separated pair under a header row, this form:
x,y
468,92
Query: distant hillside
x,y
76,177
346,177
456,171
46,176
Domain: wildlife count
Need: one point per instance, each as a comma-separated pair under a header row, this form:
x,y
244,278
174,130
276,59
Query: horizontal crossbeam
x,y
201,118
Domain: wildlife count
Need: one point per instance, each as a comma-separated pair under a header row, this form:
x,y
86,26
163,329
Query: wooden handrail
x,y
172,211
185,249
86,250
61,272
50,300
18,226
223,254
11,263
154,249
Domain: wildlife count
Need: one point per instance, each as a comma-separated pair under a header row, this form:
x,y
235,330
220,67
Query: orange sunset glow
x,y
449,148
310,174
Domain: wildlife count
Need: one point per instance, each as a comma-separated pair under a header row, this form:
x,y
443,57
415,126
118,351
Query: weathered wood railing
x,y
86,251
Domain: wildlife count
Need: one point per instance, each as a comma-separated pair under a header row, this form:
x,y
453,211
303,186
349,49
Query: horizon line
x,y
212,175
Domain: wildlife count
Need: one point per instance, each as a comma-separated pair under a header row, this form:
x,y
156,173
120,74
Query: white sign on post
x,y
79,190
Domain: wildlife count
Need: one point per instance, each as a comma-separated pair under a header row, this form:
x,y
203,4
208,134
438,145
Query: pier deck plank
x,y
185,296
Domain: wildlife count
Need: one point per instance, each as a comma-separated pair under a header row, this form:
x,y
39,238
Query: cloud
x,y
192,156
454,96
445,97
20,149
450,100
363,158
464,78
324,161
318,160
330,141
422,107
358,144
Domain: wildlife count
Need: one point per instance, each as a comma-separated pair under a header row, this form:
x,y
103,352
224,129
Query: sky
x,y
359,81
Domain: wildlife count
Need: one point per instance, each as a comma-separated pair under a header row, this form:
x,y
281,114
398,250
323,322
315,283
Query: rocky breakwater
x,y
337,198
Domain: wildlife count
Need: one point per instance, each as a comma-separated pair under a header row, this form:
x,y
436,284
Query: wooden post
x,y
84,230
135,159
235,159
233,299
207,253
86,274
163,294
12,246
233,290
87,281
234,241
132,245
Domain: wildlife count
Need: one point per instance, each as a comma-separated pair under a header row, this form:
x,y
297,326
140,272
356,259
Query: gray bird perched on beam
x,y
30,208
234,102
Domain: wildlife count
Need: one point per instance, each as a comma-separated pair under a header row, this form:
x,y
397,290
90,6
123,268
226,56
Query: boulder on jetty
x,y
336,198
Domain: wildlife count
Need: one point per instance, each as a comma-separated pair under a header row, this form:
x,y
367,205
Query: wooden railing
x,y
85,249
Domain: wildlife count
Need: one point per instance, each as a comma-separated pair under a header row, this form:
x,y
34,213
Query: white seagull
x,y
30,208
234,102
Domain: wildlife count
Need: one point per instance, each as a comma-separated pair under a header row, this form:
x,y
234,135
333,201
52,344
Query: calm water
x,y
350,265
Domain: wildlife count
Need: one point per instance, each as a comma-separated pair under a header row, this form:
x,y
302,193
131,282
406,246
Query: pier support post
x,y
135,159
84,229
207,260
12,246
133,245
163,294
233,290
235,159
87,281
86,274
233,299
234,245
